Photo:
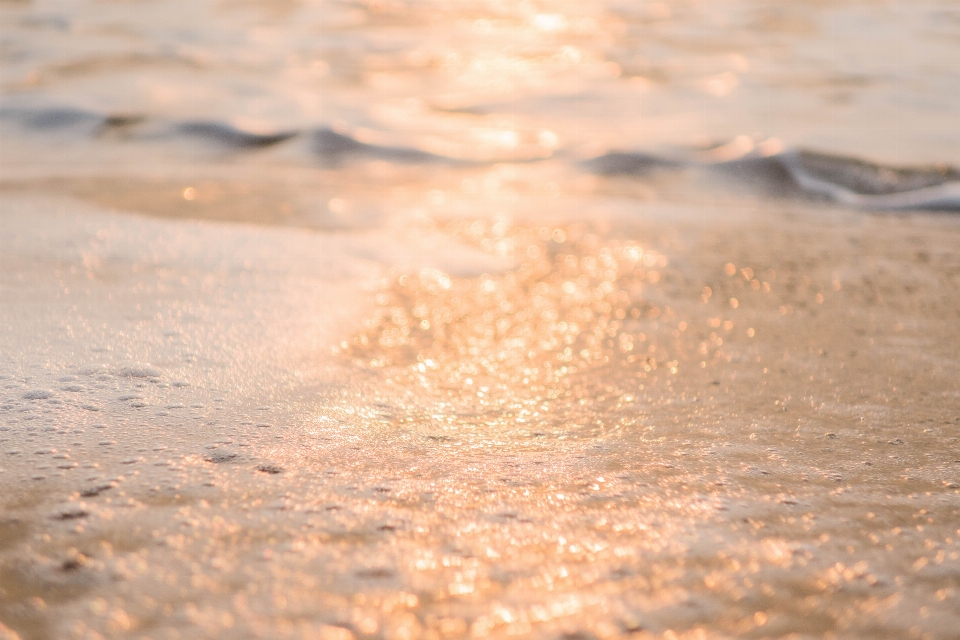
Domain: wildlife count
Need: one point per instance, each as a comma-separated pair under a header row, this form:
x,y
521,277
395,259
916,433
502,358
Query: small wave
x,y
329,146
138,127
792,173
857,183
800,173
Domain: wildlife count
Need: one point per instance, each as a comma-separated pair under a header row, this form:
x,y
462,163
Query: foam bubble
x,y
138,370
38,394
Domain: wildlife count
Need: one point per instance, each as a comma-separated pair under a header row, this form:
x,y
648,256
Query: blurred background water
x,y
158,90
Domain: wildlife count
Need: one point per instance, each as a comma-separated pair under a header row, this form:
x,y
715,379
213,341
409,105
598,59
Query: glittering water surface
x,y
427,320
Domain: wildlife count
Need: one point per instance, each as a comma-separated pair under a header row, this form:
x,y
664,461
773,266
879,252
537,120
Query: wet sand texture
x,y
746,429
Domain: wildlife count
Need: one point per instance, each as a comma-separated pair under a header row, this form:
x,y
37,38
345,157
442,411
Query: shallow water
x,y
479,319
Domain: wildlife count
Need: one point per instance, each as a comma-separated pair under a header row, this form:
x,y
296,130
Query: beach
x,y
405,320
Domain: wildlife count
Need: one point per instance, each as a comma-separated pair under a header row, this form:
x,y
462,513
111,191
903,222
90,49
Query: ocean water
x,y
416,320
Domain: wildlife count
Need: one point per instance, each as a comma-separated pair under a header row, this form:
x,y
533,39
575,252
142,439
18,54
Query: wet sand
x,y
736,425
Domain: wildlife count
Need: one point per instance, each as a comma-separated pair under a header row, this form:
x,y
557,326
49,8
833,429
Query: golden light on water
x,y
570,303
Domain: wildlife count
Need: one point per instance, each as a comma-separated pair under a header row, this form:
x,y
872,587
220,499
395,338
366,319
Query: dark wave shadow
x,y
630,164
332,148
230,136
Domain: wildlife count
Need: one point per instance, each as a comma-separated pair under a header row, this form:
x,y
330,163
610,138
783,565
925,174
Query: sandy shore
x,y
742,424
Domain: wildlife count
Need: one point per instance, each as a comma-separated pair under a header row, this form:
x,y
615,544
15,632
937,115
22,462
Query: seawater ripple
x,y
786,173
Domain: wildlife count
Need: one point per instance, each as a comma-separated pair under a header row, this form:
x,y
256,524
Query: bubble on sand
x,y
220,457
138,370
269,468
74,561
73,512
375,573
38,394
91,369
